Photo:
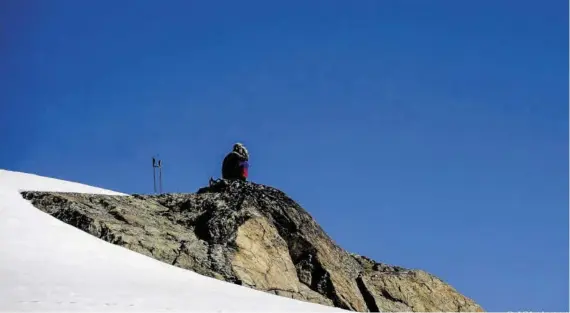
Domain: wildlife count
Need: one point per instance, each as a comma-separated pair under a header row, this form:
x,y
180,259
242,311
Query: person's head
x,y
241,150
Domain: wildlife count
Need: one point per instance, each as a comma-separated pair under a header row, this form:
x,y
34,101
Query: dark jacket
x,y
235,167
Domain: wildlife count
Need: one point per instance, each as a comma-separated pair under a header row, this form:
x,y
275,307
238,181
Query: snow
x,y
47,265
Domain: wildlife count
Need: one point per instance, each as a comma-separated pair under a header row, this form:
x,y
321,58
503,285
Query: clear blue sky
x,y
427,134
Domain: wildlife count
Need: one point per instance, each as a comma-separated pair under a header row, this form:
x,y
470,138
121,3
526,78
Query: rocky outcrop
x,y
252,235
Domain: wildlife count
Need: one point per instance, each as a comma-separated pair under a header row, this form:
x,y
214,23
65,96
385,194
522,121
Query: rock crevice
x,y
367,296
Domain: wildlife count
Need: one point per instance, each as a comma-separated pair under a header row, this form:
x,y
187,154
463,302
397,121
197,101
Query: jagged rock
x,y
255,236
396,289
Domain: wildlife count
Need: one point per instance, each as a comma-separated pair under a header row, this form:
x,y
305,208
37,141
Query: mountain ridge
x,y
49,265
255,236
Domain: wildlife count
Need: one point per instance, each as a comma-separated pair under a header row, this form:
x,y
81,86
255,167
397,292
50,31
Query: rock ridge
x,y
255,236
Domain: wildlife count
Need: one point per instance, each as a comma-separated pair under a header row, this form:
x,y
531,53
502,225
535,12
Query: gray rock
x,y
252,235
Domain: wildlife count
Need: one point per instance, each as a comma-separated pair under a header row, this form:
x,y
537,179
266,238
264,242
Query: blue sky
x,y
427,134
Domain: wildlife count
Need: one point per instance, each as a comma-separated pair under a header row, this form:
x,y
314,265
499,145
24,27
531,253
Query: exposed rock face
x,y
256,236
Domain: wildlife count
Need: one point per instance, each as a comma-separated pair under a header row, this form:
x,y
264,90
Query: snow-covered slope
x,y
47,265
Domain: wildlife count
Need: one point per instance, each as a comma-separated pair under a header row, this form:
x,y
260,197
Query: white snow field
x,y
47,265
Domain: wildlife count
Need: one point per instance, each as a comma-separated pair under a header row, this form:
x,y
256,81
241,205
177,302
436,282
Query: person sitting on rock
x,y
236,163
